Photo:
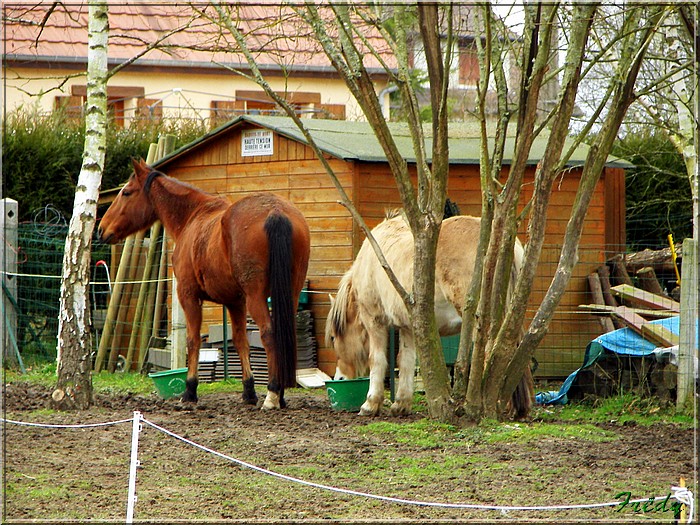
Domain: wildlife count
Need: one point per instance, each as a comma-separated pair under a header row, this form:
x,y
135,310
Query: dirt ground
x,y
60,475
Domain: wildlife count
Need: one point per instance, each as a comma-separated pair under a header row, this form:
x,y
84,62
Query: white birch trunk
x,y
74,385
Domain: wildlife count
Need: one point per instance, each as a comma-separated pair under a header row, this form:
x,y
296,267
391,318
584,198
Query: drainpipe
x,y
386,105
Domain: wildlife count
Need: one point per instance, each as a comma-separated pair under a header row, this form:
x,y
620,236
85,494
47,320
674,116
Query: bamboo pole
x,y
148,318
124,306
143,294
162,286
149,315
113,307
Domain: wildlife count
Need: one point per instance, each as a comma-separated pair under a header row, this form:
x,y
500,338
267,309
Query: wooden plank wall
x,y
570,331
293,172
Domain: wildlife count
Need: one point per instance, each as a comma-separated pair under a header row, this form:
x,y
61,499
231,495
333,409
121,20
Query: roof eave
x,y
75,62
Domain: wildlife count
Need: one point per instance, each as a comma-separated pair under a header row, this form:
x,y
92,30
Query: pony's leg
x,y
240,341
377,371
257,306
193,317
407,364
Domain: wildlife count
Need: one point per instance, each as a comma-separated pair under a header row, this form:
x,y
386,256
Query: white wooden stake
x,y
134,464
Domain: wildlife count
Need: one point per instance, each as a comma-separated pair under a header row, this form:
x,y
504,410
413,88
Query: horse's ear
x,y
141,169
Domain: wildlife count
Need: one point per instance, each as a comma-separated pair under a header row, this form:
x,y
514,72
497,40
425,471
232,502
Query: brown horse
x,y
235,254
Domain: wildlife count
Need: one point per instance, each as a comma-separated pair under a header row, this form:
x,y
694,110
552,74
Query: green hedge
x,y
42,156
658,195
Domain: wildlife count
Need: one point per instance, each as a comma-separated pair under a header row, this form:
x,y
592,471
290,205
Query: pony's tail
x,y
521,401
279,238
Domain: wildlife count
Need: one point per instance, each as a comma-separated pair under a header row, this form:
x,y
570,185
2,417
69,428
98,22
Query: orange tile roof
x,y
186,36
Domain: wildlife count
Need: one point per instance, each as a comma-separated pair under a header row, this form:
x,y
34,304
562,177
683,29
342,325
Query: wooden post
x,y
178,333
8,266
151,309
160,290
647,281
113,307
620,271
125,304
146,287
597,295
688,344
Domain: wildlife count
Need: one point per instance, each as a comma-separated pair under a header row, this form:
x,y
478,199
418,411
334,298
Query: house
x,y
185,66
219,163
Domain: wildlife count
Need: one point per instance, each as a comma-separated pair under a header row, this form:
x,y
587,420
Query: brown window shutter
x,y
224,110
332,111
71,105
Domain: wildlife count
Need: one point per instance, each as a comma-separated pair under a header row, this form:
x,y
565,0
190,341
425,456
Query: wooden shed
x,y
255,153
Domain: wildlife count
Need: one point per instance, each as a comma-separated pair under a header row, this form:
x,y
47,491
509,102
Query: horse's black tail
x,y
279,237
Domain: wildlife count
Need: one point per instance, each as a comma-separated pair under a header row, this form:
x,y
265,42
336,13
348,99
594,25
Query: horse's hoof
x,y
369,410
400,409
250,400
187,398
272,401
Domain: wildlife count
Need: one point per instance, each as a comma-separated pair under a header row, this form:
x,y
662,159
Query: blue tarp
x,y
622,342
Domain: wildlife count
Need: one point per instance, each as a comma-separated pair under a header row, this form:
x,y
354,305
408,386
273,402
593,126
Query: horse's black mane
x,y
149,180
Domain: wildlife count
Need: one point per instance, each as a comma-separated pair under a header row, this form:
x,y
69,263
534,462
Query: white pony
x,y
367,304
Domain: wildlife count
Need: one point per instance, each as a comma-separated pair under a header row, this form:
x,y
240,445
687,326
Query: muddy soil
x,y
60,475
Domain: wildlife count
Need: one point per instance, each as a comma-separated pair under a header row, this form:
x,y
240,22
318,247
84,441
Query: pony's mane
x,y
338,314
390,213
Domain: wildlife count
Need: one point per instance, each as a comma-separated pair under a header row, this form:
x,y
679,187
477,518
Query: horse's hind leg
x,y
240,341
377,370
257,306
407,364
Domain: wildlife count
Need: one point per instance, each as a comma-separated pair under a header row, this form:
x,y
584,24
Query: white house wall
x,y
186,96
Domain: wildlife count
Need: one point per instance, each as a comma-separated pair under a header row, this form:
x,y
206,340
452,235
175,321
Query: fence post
x,y
178,332
8,265
133,465
688,337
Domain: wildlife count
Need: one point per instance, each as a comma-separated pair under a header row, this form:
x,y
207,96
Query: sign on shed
x,y
256,142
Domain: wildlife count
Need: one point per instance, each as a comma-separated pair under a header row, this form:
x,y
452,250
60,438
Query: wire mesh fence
x,y
131,310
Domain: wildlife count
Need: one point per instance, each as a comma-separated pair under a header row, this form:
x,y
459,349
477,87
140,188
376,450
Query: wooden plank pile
x,y
618,302
214,371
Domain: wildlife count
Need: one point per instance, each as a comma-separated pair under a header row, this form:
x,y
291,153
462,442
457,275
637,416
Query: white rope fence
x,y
681,494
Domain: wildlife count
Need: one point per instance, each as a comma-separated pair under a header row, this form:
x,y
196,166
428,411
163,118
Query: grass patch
x,y
620,410
424,433
226,386
118,383
121,383
525,433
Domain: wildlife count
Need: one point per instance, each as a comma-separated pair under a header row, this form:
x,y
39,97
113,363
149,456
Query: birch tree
x,y
74,386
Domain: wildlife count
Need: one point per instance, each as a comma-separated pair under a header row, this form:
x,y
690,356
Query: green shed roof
x,y
355,141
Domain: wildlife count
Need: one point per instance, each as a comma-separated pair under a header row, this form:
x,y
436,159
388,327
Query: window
x,y
468,65
124,103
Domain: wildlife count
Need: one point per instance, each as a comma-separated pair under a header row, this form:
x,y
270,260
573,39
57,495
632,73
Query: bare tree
x,y
486,380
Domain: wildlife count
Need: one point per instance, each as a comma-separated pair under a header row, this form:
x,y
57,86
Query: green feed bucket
x,y
170,383
347,394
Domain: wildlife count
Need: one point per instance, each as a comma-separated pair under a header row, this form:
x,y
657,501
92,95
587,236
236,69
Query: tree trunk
x,y
74,385
636,42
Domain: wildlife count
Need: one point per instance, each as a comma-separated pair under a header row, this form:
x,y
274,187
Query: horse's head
x,y
347,334
132,210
